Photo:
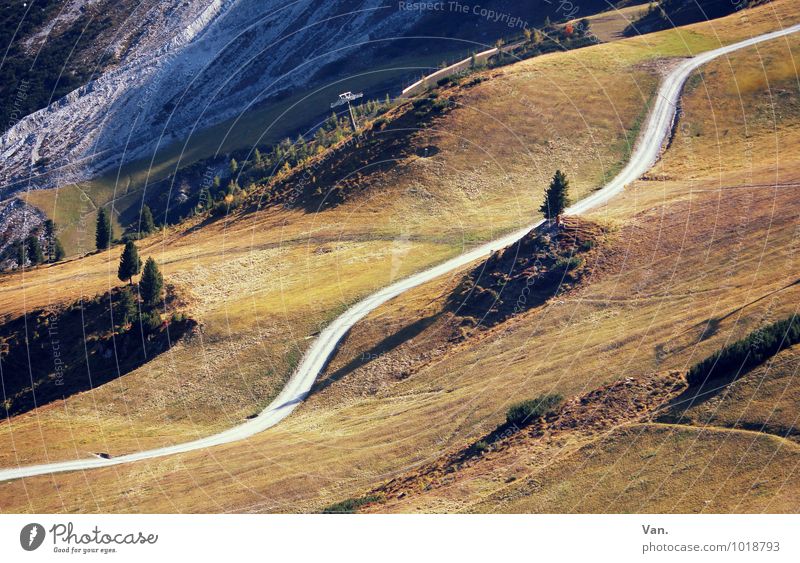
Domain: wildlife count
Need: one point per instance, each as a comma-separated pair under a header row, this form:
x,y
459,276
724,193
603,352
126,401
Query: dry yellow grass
x,y
659,468
341,445
609,25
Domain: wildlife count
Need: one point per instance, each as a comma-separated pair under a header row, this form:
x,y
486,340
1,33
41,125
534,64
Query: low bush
x,y
752,350
349,506
566,264
150,321
525,412
480,447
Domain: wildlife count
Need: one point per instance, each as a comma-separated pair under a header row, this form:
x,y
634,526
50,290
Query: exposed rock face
x,y
183,65
17,221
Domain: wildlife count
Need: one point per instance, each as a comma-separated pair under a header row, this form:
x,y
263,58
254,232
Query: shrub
x,y
568,263
349,506
526,412
480,447
439,105
756,348
150,321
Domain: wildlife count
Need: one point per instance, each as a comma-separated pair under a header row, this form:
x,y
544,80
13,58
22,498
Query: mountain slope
x,y
353,439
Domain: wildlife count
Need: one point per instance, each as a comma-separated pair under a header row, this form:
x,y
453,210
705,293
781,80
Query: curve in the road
x,y
645,155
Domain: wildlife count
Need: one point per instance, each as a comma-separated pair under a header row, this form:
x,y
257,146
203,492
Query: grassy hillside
x,y
124,189
667,14
403,394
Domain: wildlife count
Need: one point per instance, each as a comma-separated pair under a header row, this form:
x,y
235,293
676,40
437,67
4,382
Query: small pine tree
x,y
34,250
125,308
58,252
257,157
234,166
21,255
204,200
54,250
129,263
104,233
148,225
556,198
152,284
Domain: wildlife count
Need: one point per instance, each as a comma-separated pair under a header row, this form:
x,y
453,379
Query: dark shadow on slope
x,y
47,355
383,347
714,374
547,262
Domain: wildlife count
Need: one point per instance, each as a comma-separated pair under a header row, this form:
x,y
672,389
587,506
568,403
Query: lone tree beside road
x,y
556,199
129,263
151,284
104,233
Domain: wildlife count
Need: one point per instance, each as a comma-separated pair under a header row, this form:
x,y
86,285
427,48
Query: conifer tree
x,y
125,308
58,252
556,198
148,225
151,284
34,250
54,250
129,263
19,250
104,232
204,199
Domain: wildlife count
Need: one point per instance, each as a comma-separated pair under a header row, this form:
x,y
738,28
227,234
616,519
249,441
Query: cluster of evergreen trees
x,y
31,251
151,283
549,39
150,290
284,156
104,232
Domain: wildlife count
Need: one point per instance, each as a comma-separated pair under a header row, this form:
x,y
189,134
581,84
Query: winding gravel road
x,y
648,149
